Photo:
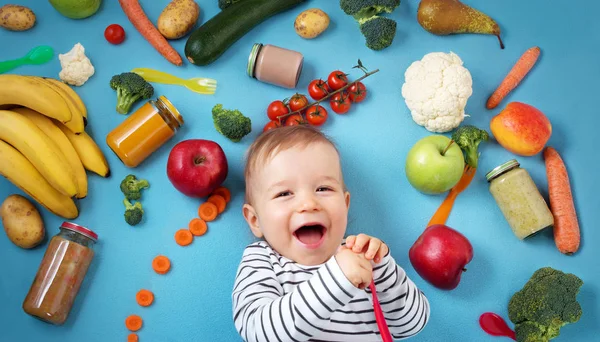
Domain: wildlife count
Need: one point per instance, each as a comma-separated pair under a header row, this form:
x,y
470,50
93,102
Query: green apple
x,y
429,169
76,9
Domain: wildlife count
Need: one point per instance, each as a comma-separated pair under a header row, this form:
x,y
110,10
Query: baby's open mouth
x,y
311,234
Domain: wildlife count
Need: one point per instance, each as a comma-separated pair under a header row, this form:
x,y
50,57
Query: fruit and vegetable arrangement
x,y
48,149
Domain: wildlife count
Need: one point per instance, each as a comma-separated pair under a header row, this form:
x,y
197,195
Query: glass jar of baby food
x,y
144,131
519,199
60,274
275,65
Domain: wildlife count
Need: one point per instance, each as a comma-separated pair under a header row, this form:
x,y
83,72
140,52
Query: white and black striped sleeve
x,y
262,312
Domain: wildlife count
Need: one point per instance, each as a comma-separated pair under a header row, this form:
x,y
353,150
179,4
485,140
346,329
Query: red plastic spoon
x,y
379,318
495,325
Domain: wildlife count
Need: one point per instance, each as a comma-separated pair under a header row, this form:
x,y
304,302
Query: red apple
x,y
197,167
440,255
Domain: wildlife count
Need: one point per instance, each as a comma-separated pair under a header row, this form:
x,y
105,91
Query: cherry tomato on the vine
x,y
277,108
357,92
271,124
318,89
295,119
337,80
316,115
114,34
340,103
297,101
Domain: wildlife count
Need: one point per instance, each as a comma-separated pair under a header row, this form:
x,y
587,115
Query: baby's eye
x,y
283,194
324,188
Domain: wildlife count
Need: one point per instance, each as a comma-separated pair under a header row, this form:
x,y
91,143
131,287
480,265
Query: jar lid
x,y
172,109
252,59
80,229
501,169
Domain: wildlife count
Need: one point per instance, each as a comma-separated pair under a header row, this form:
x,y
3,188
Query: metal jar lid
x,y
171,109
252,59
80,229
498,170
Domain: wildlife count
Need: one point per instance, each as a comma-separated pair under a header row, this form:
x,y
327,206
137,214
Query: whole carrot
x,y
514,76
566,227
140,21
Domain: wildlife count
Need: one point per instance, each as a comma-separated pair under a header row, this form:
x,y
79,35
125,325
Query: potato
x,y
16,18
22,222
178,18
311,23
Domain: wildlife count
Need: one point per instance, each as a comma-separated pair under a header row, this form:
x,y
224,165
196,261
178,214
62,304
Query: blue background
x,y
193,300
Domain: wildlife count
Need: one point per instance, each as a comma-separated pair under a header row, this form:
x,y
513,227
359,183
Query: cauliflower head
x,y
436,90
76,67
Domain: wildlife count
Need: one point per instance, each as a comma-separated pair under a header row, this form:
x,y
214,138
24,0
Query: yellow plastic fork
x,y
200,85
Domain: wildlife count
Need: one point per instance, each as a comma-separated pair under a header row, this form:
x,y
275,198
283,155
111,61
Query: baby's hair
x,y
273,141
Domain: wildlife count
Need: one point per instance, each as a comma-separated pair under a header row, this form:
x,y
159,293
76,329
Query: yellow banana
x,y
25,91
90,154
36,146
19,171
76,122
62,143
74,96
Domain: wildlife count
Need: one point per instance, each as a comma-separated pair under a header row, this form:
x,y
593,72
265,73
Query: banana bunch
x,y
44,149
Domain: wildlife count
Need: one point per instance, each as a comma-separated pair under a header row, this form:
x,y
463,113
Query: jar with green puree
x,y
519,199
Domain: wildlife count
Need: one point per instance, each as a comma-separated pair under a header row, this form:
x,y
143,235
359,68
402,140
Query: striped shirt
x,y
276,299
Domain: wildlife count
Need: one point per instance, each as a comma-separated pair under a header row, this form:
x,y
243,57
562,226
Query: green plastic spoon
x,y
37,55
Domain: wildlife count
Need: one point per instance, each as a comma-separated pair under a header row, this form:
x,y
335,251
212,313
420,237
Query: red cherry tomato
x,y
277,108
271,124
336,80
357,92
294,119
318,89
298,101
316,115
114,34
340,103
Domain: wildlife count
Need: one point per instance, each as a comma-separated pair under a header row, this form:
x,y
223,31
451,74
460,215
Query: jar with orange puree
x,y
144,131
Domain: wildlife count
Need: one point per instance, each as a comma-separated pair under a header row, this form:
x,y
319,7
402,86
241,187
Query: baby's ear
x,y
252,219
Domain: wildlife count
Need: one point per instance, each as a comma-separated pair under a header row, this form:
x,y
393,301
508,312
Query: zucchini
x,y
209,41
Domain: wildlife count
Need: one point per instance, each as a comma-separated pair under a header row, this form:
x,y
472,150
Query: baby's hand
x,y
373,248
355,267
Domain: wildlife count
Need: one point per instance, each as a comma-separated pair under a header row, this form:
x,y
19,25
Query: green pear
x,y
76,9
443,17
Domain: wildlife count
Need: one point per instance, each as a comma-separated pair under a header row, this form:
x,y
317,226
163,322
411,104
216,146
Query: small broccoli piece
x,y
363,9
132,187
133,212
378,31
223,4
468,137
547,302
130,88
231,123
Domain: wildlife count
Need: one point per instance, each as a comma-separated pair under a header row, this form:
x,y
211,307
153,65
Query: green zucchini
x,y
209,41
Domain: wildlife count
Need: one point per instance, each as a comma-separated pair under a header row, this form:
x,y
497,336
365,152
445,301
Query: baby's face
x,y
299,203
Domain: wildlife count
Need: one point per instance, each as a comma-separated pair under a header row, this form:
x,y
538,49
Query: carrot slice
x,y
198,227
132,338
219,201
208,211
223,191
161,264
144,297
133,322
183,237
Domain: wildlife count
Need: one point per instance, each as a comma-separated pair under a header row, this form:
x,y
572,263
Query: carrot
x,y
198,227
514,76
144,297
208,211
132,338
133,322
183,237
223,191
161,264
566,227
140,21
219,201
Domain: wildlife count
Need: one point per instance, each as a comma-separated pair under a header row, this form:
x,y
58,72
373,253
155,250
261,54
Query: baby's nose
x,y
309,203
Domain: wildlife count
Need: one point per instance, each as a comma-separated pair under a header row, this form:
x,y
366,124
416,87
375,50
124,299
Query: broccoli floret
x,y
231,123
132,187
378,31
130,88
133,212
547,302
363,9
468,137
223,4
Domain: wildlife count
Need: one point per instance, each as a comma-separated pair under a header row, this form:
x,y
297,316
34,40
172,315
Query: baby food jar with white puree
x,y
519,199
61,273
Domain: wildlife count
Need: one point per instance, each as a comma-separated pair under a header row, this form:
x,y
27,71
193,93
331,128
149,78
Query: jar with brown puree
x,y
60,274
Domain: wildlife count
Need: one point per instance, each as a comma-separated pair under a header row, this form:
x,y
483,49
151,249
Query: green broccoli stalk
x,y
468,138
379,32
132,187
133,212
547,302
231,123
130,88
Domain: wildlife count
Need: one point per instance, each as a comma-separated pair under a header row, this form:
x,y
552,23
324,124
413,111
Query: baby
x,y
302,283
